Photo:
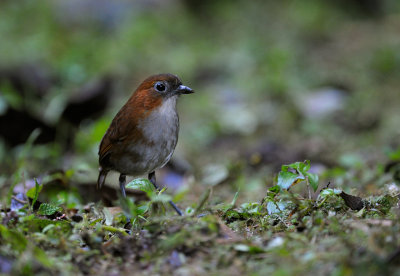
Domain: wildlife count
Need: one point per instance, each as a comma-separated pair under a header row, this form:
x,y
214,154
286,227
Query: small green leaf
x,y
141,184
295,165
251,208
298,166
274,189
272,192
284,168
48,209
287,179
235,198
312,179
33,193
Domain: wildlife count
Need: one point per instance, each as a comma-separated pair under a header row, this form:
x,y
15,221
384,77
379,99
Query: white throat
x,y
162,121
168,107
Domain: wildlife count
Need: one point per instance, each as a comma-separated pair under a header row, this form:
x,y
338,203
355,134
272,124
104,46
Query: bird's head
x,y
157,89
163,86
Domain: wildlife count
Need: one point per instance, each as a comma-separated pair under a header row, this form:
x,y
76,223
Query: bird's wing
x,y
120,129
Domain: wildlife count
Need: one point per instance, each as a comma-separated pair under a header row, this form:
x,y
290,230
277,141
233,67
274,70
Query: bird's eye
x,y
160,87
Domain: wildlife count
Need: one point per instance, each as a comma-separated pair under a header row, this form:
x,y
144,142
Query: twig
x,y
19,200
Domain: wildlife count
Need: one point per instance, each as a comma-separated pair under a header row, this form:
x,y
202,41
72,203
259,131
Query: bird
x,y
143,134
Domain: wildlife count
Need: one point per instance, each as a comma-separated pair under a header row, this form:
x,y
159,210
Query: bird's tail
x,y
102,177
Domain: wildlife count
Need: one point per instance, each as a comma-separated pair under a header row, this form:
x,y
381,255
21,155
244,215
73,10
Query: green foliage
x,y
133,211
384,203
20,245
299,173
141,184
48,209
33,193
281,224
14,238
158,201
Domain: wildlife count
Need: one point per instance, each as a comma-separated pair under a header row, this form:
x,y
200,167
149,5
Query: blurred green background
x,y
275,81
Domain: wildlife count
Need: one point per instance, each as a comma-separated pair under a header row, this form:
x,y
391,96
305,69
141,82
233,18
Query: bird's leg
x,y
122,181
152,178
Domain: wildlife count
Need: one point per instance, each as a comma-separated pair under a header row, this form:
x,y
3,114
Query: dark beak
x,y
184,90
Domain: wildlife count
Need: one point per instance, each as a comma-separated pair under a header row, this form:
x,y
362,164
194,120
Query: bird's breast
x,y
160,135
162,124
